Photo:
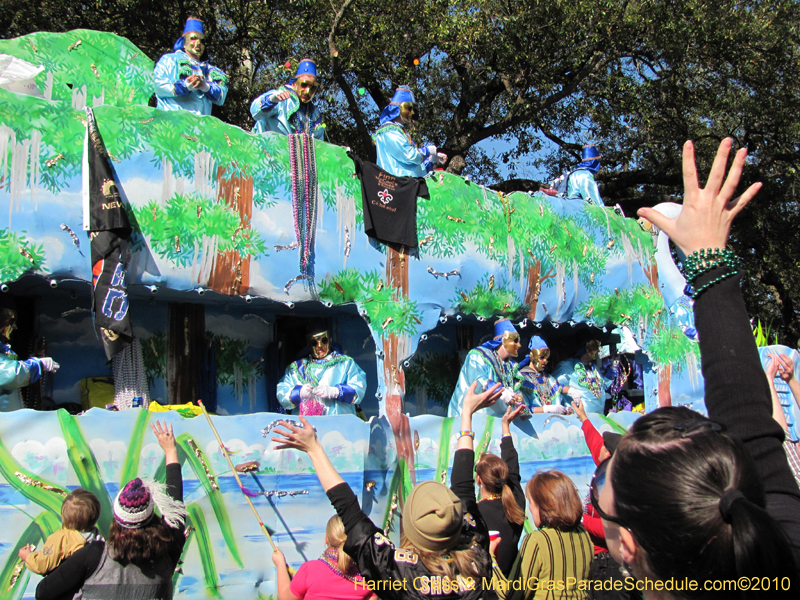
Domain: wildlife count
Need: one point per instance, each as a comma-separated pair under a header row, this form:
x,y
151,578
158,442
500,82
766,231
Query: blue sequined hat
x,y
501,328
590,159
306,67
392,111
191,25
537,343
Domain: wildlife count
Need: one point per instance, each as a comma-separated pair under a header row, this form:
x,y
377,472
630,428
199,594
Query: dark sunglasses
x,y
320,342
599,481
307,85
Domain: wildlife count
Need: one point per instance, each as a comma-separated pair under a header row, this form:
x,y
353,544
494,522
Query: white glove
x,y
306,392
432,151
326,391
441,158
49,365
204,87
555,409
508,396
575,394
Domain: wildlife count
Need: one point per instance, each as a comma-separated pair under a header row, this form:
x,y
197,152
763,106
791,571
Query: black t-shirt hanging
x,y
390,204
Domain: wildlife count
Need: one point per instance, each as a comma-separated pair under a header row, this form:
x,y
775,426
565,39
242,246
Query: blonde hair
x,y
334,531
464,560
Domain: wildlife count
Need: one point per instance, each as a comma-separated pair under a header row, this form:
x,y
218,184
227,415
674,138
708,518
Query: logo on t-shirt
x,y
385,196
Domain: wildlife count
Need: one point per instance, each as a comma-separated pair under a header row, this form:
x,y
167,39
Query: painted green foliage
x,y
670,346
39,529
18,255
154,355
176,231
630,306
108,65
369,291
486,299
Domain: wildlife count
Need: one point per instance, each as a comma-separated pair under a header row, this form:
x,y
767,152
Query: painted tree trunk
x,y
664,376
393,375
534,286
231,273
395,393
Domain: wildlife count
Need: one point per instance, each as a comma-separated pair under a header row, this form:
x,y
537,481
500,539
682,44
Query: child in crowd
x,y
334,575
79,513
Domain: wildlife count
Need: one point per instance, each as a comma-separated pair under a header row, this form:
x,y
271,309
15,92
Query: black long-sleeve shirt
x,y
737,396
398,573
493,513
68,577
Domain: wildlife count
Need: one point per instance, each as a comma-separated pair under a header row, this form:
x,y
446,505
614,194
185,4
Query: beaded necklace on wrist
x,y
706,260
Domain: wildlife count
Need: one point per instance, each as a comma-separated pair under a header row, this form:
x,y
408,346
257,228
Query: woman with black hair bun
x,y
707,502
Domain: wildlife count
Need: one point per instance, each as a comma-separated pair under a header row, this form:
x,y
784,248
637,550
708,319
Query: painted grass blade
x,y
130,469
189,451
46,499
36,533
85,466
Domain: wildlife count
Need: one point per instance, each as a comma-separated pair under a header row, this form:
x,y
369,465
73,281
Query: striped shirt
x,y
548,565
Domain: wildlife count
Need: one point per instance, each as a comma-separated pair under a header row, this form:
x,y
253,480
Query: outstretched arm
x,y
736,391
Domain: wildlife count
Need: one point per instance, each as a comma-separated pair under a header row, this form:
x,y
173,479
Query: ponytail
x,y
493,472
760,546
334,531
513,512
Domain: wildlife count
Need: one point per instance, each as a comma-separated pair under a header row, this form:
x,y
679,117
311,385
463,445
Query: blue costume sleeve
x,y
581,183
565,375
289,388
475,368
15,374
398,156
171,91
354,385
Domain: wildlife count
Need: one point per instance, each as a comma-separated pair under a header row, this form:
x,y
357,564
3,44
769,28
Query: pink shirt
x,y
315,580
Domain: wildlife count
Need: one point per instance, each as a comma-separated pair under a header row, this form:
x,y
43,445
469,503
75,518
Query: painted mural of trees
x,y
639,307
176,230
487,299
390,313
522,233
18,255
672,351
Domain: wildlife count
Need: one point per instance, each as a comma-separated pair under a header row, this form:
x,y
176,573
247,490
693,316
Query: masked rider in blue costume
x,y
14,373
291,108
581,183
583,378
541,391
397,153
490,363
325,382
184,81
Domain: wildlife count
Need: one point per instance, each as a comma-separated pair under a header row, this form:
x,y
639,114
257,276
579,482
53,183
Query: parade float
x,y
236,241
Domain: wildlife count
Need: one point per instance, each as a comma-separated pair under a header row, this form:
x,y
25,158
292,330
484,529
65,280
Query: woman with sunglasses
x,y
291,108
695,502
397,153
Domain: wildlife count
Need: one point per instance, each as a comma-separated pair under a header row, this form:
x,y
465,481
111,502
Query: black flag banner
x,y
109,227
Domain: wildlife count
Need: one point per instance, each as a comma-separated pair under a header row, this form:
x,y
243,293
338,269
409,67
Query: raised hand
x,y
705,220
